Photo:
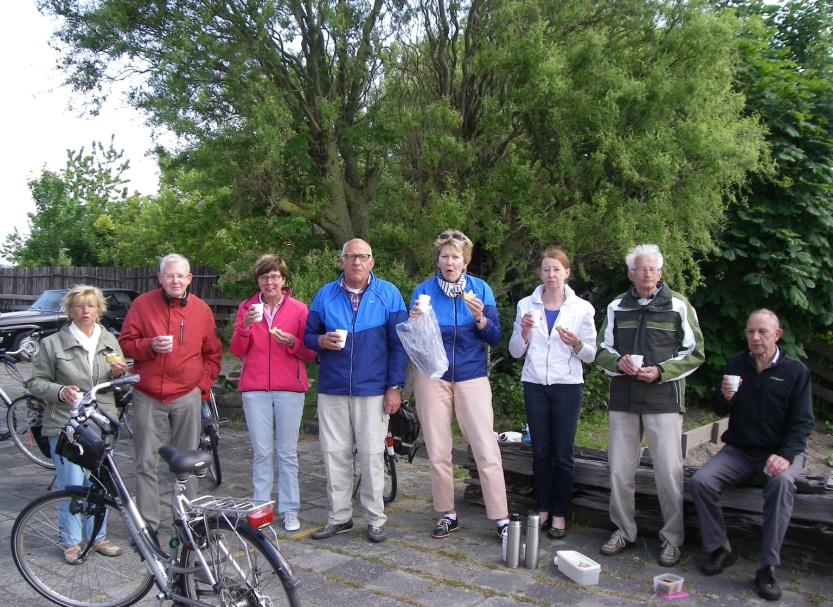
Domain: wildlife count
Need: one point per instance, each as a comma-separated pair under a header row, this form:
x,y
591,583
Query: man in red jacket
x,y
169,334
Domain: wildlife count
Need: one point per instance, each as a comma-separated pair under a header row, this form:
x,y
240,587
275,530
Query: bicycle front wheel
x,y
4,419
46,526
389,493
125,408
248,569
24,419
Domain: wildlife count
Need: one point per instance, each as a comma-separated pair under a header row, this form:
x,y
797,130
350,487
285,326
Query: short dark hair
x,y
269,263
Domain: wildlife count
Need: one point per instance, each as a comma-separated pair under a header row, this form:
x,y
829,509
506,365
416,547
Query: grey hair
x,y
344,246
174,258
644,250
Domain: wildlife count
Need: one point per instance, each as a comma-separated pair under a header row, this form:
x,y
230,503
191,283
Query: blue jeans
x,y
273,418
69,525
552,414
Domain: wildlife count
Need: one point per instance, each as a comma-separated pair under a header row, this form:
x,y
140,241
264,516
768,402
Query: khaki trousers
x,y
471,403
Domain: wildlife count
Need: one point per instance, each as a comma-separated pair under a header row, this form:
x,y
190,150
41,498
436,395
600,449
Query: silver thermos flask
x,y
533,529
513,542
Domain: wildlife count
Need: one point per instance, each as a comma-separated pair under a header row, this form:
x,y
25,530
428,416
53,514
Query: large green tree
x,y
281,93
525,122
775,248
77,209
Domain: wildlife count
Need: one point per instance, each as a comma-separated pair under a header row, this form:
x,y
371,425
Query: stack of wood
x,y
811,527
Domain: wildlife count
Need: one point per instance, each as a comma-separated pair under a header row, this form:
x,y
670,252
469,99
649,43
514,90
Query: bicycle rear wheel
x,y
99,580
210,441
389,493
248,569
24,419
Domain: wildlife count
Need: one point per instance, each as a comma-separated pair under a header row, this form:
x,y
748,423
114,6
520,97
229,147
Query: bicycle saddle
x,y
185,463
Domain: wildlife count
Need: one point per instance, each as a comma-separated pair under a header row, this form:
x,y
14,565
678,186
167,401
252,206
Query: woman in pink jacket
x,y
268,336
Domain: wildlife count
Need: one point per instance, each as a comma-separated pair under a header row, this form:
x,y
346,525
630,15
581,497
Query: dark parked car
x,y
46,313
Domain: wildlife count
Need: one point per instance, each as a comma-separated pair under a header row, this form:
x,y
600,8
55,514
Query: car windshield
x,y
49,301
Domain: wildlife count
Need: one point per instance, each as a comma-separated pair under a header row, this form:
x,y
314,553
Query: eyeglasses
x,y
362,257
646,270
454,236
273,278
179,277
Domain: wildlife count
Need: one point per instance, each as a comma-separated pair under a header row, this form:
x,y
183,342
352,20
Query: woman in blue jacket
x,y
465,308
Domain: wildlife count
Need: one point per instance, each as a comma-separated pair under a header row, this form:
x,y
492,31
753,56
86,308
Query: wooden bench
x,y
811,526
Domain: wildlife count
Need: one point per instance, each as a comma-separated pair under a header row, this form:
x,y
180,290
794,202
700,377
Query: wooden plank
x,y
695,437
822,392
820,347
818,369
718,428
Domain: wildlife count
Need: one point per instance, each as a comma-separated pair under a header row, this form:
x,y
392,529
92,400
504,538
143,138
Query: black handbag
x,y
85,440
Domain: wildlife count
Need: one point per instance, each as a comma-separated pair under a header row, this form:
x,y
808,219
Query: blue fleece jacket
x,y
462,339
373,359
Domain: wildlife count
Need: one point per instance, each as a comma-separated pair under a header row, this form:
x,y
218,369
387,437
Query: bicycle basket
x,y
404,427
86,442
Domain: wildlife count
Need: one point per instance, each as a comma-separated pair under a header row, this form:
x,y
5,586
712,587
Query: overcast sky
x,y
38,128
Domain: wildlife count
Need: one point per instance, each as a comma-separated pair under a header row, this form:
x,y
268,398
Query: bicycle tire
x,y
389,493
23,415
245,564
210,442
126,412
4,420
99,581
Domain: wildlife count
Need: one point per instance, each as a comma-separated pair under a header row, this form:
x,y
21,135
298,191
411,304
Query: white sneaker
x,y
291,522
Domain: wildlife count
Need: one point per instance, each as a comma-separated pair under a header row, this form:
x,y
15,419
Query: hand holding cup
x,y
162,344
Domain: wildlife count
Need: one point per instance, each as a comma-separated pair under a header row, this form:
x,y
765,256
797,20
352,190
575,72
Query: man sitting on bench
x,y
770,418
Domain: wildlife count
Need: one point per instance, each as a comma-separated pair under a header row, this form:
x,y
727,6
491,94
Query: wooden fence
x,y
19,287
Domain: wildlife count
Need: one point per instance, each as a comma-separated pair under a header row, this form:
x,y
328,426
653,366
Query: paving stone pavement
x,y
413,569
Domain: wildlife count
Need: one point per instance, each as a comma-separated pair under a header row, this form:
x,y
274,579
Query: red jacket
x,y
195,360
268,365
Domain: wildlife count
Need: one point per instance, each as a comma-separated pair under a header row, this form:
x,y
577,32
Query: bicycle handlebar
x,y
89,398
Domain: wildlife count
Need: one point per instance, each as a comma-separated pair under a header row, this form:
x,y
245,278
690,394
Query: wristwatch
x,y
397,388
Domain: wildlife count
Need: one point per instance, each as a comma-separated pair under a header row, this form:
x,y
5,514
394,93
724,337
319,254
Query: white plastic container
x,y
578,567
668,584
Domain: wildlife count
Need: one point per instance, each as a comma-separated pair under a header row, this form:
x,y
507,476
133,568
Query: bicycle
x,y
10,360
210,436
24,417
390,459
124,407
219,554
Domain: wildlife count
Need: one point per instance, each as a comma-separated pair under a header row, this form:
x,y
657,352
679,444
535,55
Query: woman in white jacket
x,y
554,328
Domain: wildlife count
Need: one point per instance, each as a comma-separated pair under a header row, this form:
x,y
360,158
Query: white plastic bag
x,y
424,343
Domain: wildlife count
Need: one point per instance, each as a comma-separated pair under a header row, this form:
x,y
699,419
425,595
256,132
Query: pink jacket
x,y
268,365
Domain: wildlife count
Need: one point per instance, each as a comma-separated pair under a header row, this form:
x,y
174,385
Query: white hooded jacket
x,y
548,359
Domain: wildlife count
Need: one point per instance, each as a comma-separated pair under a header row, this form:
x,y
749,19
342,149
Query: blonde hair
x,y
457,240
83,294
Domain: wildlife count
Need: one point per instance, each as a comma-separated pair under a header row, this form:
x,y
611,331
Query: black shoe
x,y
766,584
547,524
718,560
331,529
375,533
444,528
556,534
501,529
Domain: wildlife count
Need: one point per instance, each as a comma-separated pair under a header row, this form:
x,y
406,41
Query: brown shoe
x,y
105,548
616,544
71,554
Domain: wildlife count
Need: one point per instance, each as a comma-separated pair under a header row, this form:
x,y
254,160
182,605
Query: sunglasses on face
x,y
454,236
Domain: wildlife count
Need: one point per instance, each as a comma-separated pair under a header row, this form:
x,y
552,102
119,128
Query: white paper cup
x,y
637,359
734,382
342,335
78,400
424,301
536,317
258,308
169,341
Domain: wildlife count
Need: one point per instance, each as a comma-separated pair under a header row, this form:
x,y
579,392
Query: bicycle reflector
x,y
261,517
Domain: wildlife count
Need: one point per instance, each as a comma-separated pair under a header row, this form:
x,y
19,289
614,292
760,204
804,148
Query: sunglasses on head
x,y
454,236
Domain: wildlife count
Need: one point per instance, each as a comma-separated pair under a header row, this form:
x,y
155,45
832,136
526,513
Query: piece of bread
x,y
273,330
468,295
112,357
559,328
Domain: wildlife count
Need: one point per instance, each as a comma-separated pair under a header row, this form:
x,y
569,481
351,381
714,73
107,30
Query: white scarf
x,y
90,344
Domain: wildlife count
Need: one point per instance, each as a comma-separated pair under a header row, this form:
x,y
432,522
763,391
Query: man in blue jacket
x,y
770,418
359,383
